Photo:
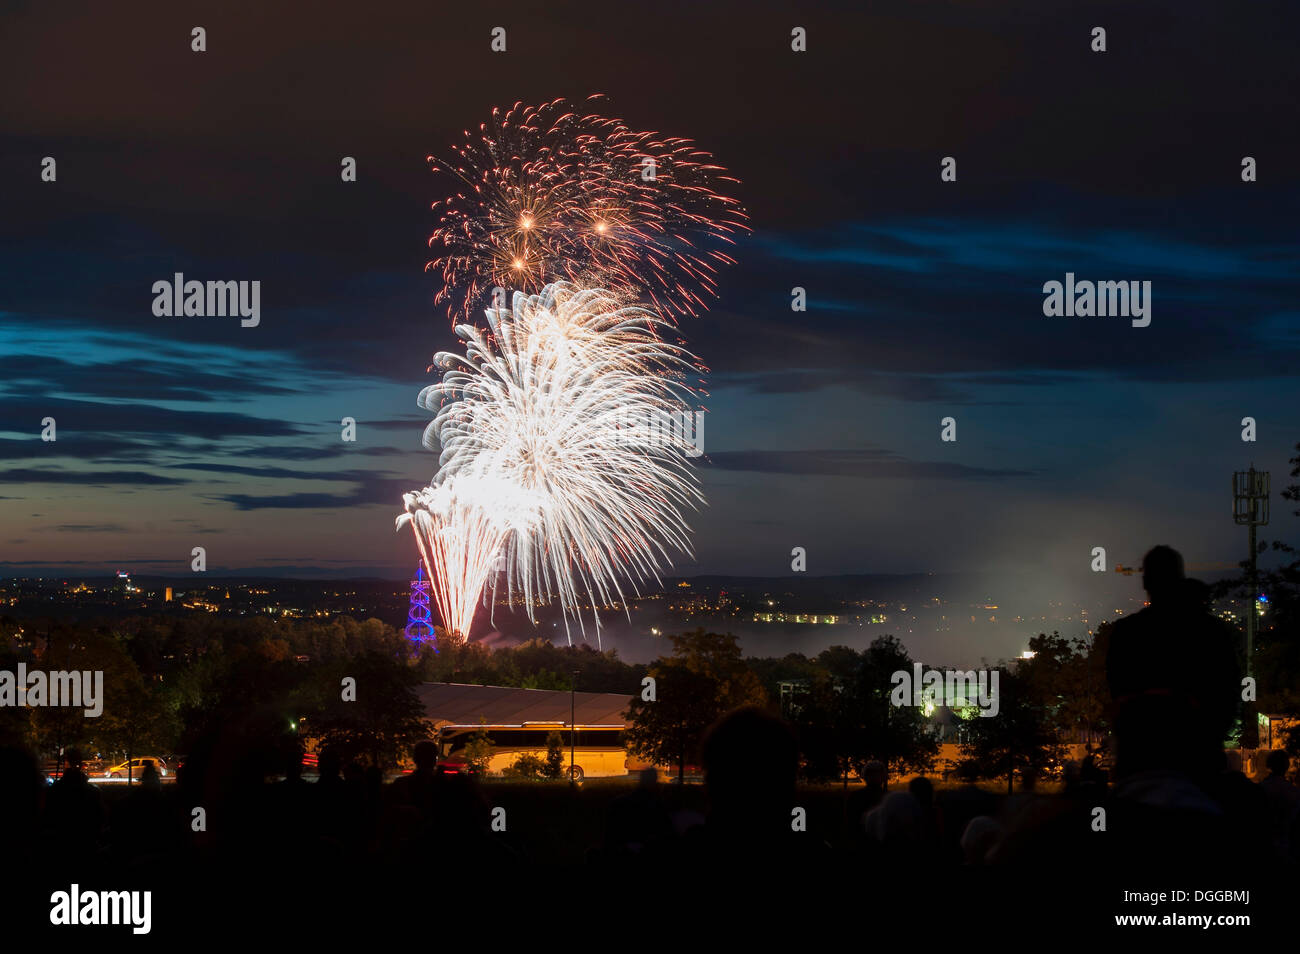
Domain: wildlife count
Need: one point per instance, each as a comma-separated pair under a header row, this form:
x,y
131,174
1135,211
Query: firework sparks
x,y
459,527
547,193
549,407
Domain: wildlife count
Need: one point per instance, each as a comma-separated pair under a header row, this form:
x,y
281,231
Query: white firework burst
x,y
565,408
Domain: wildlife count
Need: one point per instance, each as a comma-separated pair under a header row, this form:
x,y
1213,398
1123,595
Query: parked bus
x,y
598,751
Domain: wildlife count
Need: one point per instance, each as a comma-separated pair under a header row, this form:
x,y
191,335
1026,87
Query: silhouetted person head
x,y
922,790
1162,574
981,834
898,823
1278,762
74,767
74,810
425,755
150,780
874,774
750,762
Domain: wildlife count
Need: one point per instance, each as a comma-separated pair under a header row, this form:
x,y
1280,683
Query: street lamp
x,y
573,728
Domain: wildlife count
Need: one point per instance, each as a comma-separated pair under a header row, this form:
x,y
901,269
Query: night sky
x,y
924,297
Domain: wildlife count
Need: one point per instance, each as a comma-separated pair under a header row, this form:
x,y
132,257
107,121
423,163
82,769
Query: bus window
x,y
531,738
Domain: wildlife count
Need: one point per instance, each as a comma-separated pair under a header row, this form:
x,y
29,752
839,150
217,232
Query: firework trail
x,y
559,409
459,526
548,193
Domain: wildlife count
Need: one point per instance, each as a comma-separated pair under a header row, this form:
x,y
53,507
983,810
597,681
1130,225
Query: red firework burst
x,y
547,193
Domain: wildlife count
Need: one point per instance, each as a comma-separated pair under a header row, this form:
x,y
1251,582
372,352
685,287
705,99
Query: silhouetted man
x,y
74,810
417,790
1174,678
751,760
899,832
872,792
637,821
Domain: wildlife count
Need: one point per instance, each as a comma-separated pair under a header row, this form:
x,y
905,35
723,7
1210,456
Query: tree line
x,y
182,684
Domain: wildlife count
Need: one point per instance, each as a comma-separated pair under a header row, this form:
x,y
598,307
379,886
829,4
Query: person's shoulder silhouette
x,y
1173,675
1141,645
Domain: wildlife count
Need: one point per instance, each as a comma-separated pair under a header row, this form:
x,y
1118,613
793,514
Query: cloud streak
x,y
871,464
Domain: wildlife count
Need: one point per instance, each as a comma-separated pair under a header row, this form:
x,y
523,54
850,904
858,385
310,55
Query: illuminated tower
x,y
419,624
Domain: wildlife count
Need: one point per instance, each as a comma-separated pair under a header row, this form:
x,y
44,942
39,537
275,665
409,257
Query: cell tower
x,y
1250,508
419,622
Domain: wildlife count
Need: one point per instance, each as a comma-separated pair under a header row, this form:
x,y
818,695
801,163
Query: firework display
x,y
564,402
547,193
563,461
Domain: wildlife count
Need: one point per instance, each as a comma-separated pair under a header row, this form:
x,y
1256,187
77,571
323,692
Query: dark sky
x,y
925,297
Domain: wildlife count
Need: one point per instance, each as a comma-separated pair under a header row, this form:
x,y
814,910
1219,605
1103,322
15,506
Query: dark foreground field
x,y
320,863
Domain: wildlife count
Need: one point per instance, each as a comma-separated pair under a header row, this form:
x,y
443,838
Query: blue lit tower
x,y
419,623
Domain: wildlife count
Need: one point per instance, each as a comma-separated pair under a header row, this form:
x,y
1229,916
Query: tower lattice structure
x,y
419,619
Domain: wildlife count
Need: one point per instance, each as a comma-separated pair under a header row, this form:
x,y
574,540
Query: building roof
x,y
449,703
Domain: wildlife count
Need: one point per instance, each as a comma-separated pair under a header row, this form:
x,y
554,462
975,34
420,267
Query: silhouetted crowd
x,y
1173,799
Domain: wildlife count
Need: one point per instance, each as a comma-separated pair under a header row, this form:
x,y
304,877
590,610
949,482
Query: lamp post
x,y
573,728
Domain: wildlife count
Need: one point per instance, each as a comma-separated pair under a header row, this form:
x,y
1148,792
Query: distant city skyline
x,y
955,619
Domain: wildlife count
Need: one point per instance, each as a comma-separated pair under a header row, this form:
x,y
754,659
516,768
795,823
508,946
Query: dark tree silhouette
x,y
1019,739
704,677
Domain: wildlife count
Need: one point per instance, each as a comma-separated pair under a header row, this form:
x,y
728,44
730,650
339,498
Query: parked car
x,y
137,767
53,769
